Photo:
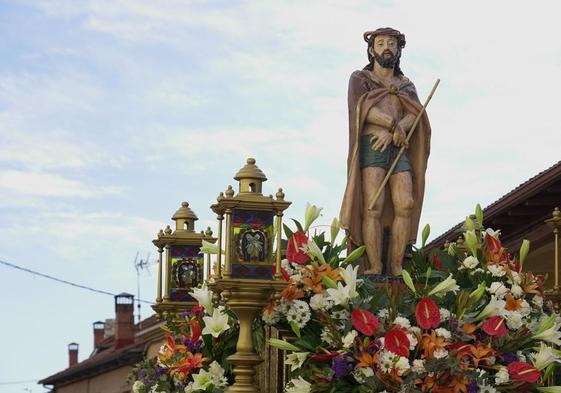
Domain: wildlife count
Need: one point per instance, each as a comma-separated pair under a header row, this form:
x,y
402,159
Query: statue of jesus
x,y
383,104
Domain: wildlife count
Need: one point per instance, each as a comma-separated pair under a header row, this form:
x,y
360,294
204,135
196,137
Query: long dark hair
x,y
369,37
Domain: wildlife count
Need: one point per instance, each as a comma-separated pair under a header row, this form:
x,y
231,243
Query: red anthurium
x,y
293,248
324,357
396,341
365,322
427,313
495,326
522,371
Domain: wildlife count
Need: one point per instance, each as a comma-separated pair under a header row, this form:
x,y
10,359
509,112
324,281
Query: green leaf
x,y
295,329
298,225
287,231
328,282
425,235
282,344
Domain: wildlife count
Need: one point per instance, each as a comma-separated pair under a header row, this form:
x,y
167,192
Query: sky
x,y
113,112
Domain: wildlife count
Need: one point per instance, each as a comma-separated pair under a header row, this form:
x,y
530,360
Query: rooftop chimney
x,y
99,333
124,320
72,354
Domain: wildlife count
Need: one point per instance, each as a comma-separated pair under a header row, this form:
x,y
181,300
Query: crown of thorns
x,y
370,35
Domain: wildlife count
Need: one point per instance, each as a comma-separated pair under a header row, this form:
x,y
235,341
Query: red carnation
x,y
522,371
293,249
495,326
427,313
397,342
365,322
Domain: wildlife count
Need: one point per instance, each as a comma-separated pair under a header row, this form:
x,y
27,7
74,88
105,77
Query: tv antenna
x,y
140,264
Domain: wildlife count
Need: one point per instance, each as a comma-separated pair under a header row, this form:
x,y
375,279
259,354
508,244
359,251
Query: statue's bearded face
x,y
385,50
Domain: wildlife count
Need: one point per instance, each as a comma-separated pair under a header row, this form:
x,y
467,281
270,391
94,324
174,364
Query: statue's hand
x,y
383,140
399,138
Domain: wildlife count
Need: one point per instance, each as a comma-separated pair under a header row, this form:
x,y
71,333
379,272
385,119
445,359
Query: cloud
x,y
37,184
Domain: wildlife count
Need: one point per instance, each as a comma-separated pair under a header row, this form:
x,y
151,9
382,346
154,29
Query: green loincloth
x,y
381,159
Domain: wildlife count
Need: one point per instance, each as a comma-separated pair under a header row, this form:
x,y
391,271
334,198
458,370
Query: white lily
x,y
349,275
204,296
311,214
201,381
217,324
544,357
210,248
349,339
445,286
312,250
299,385
551,335
493,308
341,295
296,359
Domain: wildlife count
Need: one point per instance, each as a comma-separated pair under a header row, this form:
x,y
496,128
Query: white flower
x,y
296,359
320,302
340,314
516,279
299,385
312,250
299,313
416,330
502,376
493,308
440,353
204,297
349,339
551,335
341,295
383,313
537,300
513,319
209,248
487,389
349,275
392,361
470,262
443,333
498,289
310,215
496,270
419,366
403,322
517,291
217,324
138,387
444,314
412,341
521,356
203,379
544,357
492,233
448,285
270,317
361,373
327,336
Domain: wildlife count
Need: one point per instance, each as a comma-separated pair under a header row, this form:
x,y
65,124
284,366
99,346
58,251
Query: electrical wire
x,y
18,382
65,281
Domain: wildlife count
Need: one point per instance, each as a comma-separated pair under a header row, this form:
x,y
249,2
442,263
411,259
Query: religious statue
x,y
383,105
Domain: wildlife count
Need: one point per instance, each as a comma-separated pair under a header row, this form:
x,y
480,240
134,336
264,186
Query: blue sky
x,y
113,112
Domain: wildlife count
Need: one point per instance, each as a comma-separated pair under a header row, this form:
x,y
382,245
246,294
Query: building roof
x,y
106,357
520,210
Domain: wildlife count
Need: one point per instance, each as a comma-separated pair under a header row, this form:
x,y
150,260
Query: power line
x,y
18,382
64,281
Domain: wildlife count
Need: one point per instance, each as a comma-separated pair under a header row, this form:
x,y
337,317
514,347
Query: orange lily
x,y
430,343
170,348
187,364
513,304
481,353
291,293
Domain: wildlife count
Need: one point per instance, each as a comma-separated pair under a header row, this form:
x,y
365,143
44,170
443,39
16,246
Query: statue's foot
x,y
371,272
396,270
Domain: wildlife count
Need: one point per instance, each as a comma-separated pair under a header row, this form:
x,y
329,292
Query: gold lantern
x,y
251,271
179,252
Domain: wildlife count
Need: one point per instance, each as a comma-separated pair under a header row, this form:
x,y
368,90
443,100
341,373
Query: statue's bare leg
x,y
371,228
401,186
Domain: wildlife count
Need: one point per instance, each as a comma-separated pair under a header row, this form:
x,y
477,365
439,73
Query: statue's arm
x,y
378,118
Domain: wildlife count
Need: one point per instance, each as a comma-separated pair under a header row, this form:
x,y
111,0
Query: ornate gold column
x,y
555,294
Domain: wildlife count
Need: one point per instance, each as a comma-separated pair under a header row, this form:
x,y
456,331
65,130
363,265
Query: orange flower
x,y
313,280
469,328
187,364
513,304
170,349
430,343
459,384
365,360
532,284
291,293
481,353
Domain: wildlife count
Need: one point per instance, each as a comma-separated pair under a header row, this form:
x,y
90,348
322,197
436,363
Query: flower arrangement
x,y
466,319
193,359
